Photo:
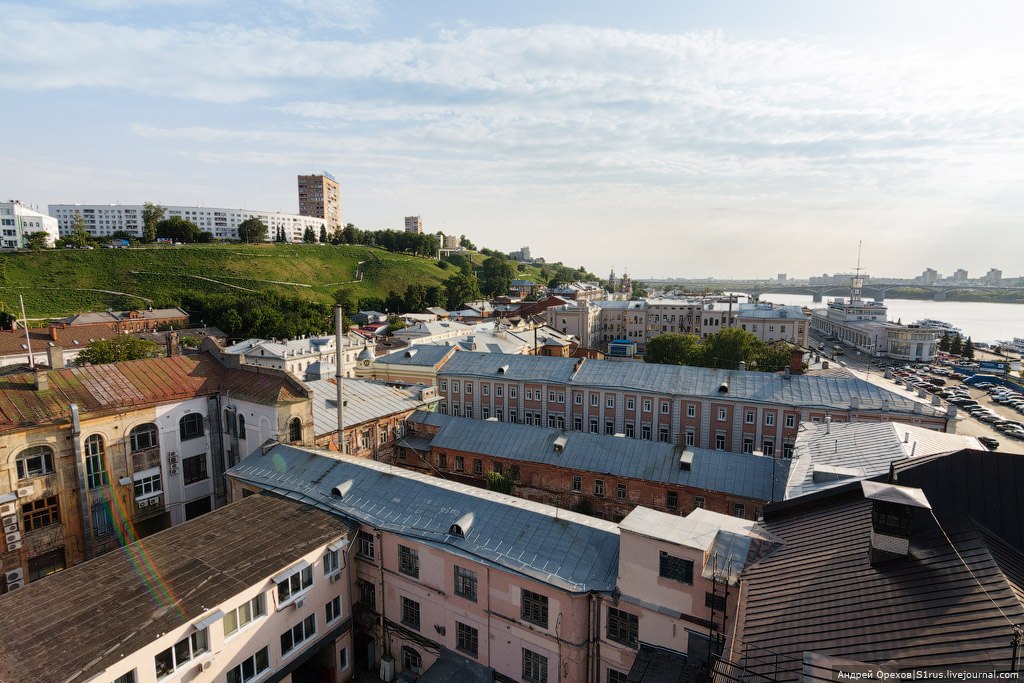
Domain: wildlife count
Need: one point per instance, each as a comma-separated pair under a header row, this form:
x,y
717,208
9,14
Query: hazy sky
x,y
675,138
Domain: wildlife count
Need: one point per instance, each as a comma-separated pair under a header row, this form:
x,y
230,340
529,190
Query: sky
x,y
688,139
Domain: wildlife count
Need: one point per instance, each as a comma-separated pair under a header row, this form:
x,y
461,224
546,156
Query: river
x,y
983,322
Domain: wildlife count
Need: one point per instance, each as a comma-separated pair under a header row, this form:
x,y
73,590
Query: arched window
x,y
35,461
95,462
411,660
191,426
143,437
295,430
241,426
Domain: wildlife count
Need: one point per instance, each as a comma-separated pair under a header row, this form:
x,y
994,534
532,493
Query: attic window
x,y
723,388
342,489
560,444
503,369
462,525
410,353
24,347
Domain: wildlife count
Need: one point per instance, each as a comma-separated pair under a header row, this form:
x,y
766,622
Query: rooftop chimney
x,y
42,381
55,357
172,343
53,333
743,365
892,509
796,361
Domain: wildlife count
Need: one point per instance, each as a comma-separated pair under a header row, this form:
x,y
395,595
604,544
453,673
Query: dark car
x,y
988,442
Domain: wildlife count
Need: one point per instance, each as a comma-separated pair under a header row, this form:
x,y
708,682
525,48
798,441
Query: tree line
x,y
955,344
724,349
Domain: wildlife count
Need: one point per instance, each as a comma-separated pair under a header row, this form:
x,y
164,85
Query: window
x,y
250,668
37,514
408,561
623,627
647,406
143,437
467,639
535,667
535,608
460,463
663,434
593,425
551,397
332,561
498,390
35,462
193,469
469,388
609,401
645,432
455,387
616,676
512,392
302,631
173,658
411,660
96,469
333,609
410,613
469,411
599,487
498,467
715,602
748,444
442,461
577,423
768,447
499,415
672,500
721,414
691,410
609,427
127,678
485,412
478,466
343,658
791,421
665,407
241,426
148,485
46,564
191,426
485,389
630,404
699,502
456,410
366,545
102,525
720,442
245,614
749,417
293,584
513,416
787,450
577,398
197,507
295,430
675,568
465,583
367,595
620,491
577,483
444,385
769,419
630,430
691,437
739,510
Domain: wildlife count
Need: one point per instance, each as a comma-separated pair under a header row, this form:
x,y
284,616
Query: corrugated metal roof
x,y
751,476
565,549
859,450
520,368
365,401
423,355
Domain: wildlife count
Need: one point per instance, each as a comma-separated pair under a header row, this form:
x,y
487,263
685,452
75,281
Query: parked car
x,y
988,442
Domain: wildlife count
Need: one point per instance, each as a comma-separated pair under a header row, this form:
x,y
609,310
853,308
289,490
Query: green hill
x,y
60,282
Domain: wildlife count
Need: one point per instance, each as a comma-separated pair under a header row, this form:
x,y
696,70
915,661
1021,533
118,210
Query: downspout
x,y
83,487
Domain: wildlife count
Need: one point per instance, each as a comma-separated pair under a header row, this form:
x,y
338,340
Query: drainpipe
x,y
339,358
83,486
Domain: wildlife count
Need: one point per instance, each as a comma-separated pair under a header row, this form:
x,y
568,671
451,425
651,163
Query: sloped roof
x,y
520,368
740,474
12,342
118,316
75,623
571,551
365,401
99,389
425,355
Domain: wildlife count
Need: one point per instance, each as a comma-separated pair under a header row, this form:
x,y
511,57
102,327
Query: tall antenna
x,y
857,282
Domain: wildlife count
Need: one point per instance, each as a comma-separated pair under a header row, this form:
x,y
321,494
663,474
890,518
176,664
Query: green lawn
x,y
58,282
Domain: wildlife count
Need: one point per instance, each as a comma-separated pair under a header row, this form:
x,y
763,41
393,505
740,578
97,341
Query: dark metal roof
x,y
516,367
73,624
451,666
820,593
426,355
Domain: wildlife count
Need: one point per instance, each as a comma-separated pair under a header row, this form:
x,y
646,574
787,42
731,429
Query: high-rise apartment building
x,y
414,224
320,196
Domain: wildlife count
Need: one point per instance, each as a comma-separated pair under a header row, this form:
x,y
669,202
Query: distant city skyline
x,y
691,139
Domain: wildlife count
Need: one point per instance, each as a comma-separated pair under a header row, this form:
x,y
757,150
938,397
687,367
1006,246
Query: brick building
x,y
135,320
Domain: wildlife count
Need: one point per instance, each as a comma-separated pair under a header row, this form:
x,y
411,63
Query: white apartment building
x,y
640,321
17,221
414,224
305,358
102,220
863,325
772,322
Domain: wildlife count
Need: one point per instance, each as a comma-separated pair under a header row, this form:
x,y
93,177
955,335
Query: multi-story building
x,y
306,358
17,221
863,325
414,224
960,275
91,457
103,220
414,365
993,277
581,291
258,590
771,322
605,476
928,277
135,320
581,320
320,197
642,320
443,570
451,242
54,346
689,406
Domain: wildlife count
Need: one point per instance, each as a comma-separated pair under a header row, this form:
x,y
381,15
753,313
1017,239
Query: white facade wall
x,y
105,219
17,221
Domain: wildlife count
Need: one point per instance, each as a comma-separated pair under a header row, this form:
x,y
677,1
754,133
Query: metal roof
x,y
827,455
519,367
365,401
890,493
750,476
568,550
424,355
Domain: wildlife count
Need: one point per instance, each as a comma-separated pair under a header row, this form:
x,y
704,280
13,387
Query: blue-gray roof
x,y
740,474
561,548
519,367
420,355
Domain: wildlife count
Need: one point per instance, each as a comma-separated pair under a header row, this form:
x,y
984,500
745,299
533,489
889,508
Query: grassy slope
x,y
54,282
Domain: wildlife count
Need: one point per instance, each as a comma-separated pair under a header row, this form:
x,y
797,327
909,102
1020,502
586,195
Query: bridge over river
x,y
877,290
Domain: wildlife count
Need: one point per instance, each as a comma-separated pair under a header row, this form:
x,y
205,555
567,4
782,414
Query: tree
x,y
178,229
956,345
433,297
394,303
497,275
674,349
499,482
309,237
346,298
968,350
323,234
466,244
945,342
252,230
458,289
772,358
120,348
190,342
37,241
414,299
280,238
396,324
152,214
79,236
726,348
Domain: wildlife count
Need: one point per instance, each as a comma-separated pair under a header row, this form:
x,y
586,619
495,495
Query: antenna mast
x,y
857,282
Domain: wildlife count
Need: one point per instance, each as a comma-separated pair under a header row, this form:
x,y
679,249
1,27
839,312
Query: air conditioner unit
x,y
157,501
172,457
14,575
25,491
7,509
12,537
15,585
16,545
10,528
143,503
300,603
335,577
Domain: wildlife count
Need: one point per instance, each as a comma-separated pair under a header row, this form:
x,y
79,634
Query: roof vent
x,y
743,365
723,388
560,444
462,525
892,510
342,489
503,369
686,460
855,402
411,352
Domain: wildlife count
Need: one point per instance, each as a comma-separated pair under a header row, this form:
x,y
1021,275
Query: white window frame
x,y
256,608
297,582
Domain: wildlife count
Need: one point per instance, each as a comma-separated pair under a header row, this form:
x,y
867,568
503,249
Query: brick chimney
x,y
55,357
796,361
172,344
53,333
42,381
